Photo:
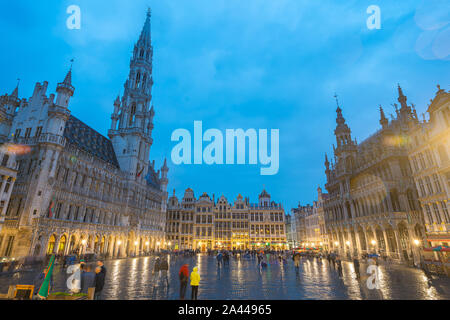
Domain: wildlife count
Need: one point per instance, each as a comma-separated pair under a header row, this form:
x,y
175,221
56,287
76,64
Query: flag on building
x,y
50,209
44,290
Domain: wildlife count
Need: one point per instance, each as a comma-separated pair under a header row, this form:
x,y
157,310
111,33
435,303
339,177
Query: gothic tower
x,y
345,145
132,120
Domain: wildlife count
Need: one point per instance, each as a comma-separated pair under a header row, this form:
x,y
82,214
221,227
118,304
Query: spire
x,y
383,120
339,119
15,93
68,78
65,88
327,163
401,97
146,34
337,103
165,167
117,102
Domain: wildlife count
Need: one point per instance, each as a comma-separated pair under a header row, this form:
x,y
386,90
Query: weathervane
x,y
336,97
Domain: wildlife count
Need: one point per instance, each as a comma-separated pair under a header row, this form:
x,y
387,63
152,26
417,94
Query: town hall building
x,y
76,190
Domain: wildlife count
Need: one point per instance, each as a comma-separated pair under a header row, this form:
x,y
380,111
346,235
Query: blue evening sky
x,y
272,64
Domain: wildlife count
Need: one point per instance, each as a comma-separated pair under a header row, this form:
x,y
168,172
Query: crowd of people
x,y
90,277
93,276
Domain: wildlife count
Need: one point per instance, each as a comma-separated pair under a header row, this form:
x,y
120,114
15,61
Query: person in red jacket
x,y
184,278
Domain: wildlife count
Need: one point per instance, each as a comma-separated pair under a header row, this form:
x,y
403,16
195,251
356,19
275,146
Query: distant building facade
x,y
76,190
299,215
8,175
372,204
207,224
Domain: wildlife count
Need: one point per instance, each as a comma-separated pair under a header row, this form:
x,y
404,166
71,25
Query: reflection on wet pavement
x,y
132,279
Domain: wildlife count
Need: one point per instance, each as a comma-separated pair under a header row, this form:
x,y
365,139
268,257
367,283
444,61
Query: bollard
x,y
91,292
11,292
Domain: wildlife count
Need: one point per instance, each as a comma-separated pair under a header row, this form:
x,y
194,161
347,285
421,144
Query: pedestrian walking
x,y
100,264
184,278
219,258
156,269
296,258
164,269
339,266
87,278
195,282
100,275
356,265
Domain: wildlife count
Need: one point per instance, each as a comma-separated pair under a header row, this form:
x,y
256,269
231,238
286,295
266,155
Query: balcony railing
x,y
43,138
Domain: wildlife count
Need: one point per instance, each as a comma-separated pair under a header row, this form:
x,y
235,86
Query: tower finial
x,y
383,120
337,100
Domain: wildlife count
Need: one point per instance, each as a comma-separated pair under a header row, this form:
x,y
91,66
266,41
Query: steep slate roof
x,y
89,140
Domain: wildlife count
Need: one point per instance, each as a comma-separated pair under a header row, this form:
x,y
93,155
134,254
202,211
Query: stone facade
x,y
76,190
430,162
205,224
373,204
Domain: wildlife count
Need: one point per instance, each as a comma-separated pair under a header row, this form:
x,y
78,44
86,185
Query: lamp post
x,y
118,248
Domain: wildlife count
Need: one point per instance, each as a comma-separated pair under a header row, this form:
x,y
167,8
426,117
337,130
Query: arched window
x,y
142,53
132,114
138,80
394,200
144,81
411,200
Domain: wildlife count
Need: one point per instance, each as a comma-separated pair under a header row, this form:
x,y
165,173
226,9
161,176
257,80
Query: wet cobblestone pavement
x,y
132,279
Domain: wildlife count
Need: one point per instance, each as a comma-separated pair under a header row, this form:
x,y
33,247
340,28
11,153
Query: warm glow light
x,y
158,243
373,242
238,243
135,243
321,243
312,244
170,243
416,242
259,243
336,243
347,243
119,242
147,243
83,242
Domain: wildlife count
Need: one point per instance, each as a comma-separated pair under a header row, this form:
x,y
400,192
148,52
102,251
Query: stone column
x,y
386,243
358,244
399,246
